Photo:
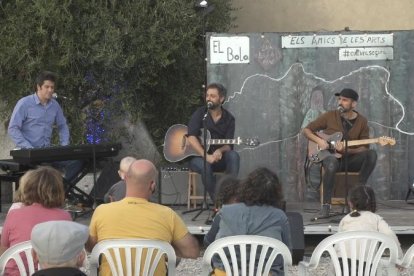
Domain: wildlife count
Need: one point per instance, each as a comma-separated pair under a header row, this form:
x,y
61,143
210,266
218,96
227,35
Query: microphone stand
x,y
346,138
204,205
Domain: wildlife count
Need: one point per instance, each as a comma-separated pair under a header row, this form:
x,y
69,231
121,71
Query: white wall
x,y
320,15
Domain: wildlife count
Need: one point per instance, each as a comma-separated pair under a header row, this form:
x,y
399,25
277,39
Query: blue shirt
x,y
32,123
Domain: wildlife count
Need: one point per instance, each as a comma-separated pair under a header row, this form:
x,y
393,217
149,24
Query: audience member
x,y
136,217
227,194
58,246
361,201
18,196
43,197
257,213
118,190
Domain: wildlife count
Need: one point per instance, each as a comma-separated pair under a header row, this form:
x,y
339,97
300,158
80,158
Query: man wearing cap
x,y
58,246
351,124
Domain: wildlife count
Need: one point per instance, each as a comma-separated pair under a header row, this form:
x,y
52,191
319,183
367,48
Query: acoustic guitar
x,y
177,147
315,154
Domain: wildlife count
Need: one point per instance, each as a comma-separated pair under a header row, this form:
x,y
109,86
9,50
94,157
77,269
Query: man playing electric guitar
x,y
348,122
221,125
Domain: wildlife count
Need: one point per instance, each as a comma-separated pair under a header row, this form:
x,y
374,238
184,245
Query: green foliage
x,y
138,58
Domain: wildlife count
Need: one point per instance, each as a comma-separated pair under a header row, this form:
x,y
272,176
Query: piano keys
x,y
62,153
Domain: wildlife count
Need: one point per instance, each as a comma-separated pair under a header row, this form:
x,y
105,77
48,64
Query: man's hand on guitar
x,y
339,147
323,145
211,158
217,154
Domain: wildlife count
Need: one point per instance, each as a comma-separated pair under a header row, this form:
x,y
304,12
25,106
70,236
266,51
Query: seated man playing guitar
x,y
352,126
221,125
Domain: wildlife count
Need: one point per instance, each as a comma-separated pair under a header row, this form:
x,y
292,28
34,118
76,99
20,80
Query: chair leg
x,y
194,189
189,191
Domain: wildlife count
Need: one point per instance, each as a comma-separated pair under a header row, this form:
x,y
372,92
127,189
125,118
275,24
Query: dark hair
x,y
44,76
261,187
220,88
228,190
362,198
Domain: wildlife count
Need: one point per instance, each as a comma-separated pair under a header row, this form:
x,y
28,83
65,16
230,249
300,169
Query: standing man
x,y
34,117
349,122
136,218
221,125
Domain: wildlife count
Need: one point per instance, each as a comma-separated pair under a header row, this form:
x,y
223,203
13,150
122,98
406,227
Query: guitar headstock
x,y
251,142
385,140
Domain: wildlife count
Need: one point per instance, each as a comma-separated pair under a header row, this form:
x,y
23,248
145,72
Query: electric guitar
x,y
177,147
315,154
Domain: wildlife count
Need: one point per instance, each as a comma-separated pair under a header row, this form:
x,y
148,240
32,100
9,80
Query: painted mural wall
x,y
278,82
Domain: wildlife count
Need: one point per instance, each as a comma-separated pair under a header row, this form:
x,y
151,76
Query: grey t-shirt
x,y
117,192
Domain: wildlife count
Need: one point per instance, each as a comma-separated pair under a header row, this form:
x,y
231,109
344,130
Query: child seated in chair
x,y
227,194
361,201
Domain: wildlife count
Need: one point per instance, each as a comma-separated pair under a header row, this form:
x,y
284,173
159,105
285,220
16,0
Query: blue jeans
x,y
72,168
229,163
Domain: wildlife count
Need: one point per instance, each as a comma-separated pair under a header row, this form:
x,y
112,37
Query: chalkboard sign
x,y
284,87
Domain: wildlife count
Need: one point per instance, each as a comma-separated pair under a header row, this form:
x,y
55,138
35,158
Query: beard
x,y
214,105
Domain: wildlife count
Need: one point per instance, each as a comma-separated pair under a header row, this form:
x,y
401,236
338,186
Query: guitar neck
x,y
362,142
223,142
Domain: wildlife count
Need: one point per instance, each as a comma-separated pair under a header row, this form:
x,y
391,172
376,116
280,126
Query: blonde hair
x,y
43,185
18,196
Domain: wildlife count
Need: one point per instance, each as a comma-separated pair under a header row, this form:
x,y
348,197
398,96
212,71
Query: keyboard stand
x,y
76,194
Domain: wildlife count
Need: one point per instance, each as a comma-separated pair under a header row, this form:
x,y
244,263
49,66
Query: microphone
x,y
210,105
56,96
341,109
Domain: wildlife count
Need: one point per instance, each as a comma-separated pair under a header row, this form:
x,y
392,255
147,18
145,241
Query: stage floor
x,y
397,213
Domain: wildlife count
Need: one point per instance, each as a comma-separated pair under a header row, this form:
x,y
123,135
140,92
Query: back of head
x,y
362,198
124,165
261,187
141,179
18,196
59,243
126,162
44,186
228,190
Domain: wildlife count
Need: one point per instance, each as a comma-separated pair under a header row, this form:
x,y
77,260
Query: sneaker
x,y
326,208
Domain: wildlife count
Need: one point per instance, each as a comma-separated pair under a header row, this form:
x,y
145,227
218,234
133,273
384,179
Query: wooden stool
x,y
193,197
338,191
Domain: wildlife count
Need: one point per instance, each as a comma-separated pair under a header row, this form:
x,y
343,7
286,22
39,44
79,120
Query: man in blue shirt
x,y
34,117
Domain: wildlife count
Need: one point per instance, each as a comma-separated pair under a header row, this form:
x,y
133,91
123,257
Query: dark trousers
x,y
363,162
229,163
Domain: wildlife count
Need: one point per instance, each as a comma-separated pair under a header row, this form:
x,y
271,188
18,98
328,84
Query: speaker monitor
x,y
297,236
174,187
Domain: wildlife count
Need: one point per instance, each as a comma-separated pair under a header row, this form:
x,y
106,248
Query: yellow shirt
x,y
136,218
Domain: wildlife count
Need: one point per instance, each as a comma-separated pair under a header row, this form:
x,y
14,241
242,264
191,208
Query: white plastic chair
x,y
153,251
351,246
241,245
13,253
408,258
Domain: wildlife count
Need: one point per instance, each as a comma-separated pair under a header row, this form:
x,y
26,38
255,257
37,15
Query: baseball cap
x,y
348,93
57,242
